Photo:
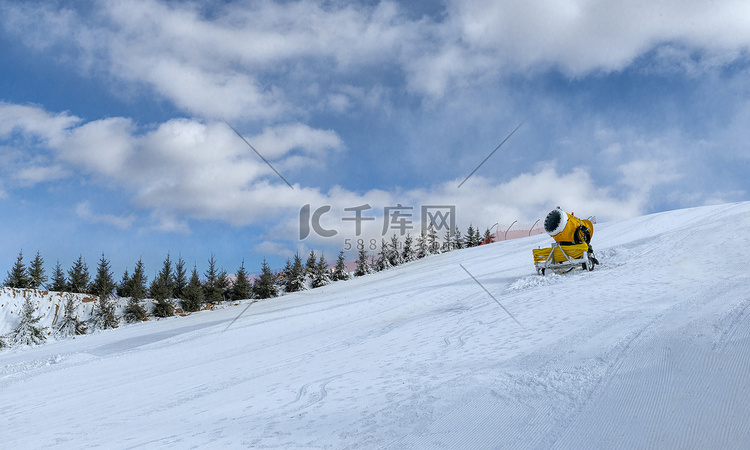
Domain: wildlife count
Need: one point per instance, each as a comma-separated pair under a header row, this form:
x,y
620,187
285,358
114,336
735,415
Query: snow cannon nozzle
x,y
552,221
564,227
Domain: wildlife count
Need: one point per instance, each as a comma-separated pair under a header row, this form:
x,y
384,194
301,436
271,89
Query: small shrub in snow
x,y
104,314
134,311
69,324
163,308
27,332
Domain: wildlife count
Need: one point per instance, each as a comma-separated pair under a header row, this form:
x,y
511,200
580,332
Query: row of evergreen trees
x,y
192,292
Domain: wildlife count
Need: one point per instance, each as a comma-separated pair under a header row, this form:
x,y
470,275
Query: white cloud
x,y
273,248
32,175
50,127
237,63
83,210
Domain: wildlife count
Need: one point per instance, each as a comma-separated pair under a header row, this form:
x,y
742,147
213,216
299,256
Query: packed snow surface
x,y
649,350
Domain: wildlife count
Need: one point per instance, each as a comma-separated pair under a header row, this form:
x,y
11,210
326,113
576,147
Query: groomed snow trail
x,y
650,350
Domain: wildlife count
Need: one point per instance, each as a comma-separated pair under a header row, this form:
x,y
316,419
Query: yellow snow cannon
x,y
572,245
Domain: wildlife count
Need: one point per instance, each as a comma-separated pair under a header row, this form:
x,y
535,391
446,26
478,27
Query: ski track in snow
x,y
650,350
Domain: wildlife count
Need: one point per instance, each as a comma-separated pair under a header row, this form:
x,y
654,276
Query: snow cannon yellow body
x,y
572,245
568,229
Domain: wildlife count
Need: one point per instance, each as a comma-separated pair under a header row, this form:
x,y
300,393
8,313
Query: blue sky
x,y
113,136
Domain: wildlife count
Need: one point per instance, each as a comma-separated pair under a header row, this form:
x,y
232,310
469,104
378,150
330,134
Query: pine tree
x,y
103,285
223,284
311,263
69,324
134,311
136,290
180,278
457,239
296,276
210,290
477,237
265,285
59,283
283,280
123,287
421,248
321,276
78,277
104,312
488,236
241,288
470,239
339,271
407,254
162,287
193,294
363,266
27,332
17,277
447,242
138,281
162,290
394,254
433,243
37,278
384,260
163,307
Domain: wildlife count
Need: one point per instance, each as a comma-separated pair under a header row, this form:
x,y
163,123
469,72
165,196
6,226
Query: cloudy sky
x,y
115,119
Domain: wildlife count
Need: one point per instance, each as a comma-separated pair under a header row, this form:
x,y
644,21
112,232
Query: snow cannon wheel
x,y
588,265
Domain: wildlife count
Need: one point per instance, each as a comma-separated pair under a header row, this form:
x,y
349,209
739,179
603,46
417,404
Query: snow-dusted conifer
x,y
136,290
433,242
363,266
394,255
407,253
311,264
265,285
296,277
470,238
321,276
384,260
339,271
27,332
458,242
421,249
447,242
69,324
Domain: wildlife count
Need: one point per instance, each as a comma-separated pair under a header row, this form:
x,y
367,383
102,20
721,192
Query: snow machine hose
x,y
567,228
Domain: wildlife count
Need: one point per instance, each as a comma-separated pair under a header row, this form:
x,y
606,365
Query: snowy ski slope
x,y
650,350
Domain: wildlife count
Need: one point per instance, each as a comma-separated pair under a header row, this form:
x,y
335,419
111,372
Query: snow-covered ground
x,y
652,349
